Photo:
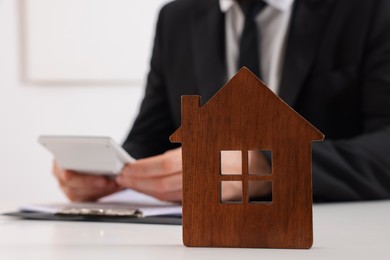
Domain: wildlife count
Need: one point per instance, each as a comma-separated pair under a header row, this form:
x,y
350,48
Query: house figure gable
x,y
244,116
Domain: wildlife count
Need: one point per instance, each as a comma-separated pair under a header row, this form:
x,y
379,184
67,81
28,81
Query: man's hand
x,y
258,165
161,176
158,176
83,187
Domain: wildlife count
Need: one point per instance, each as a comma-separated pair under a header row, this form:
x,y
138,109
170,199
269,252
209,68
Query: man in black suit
x,y
335,72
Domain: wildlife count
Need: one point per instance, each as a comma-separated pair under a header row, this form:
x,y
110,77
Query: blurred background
x,y
73,67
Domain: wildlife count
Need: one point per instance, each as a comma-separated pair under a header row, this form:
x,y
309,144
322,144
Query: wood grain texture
x,y
245,115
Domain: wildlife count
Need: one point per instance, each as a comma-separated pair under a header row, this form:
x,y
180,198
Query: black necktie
x,y
250,40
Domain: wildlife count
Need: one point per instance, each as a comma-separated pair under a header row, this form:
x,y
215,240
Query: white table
x,y
341,231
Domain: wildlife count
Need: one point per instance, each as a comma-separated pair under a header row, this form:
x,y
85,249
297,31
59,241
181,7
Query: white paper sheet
x,y
123,203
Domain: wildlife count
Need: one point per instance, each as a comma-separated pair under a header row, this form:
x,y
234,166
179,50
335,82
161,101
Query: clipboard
x,y
30,215
126,206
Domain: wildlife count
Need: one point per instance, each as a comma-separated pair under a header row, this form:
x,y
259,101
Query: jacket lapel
x,y
209,49
306,29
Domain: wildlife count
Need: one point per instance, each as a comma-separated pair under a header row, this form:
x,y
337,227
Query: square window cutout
x,y
231,162
260,162
255,186
231,192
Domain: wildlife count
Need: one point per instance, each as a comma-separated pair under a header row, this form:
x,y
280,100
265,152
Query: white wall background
x,y
28,110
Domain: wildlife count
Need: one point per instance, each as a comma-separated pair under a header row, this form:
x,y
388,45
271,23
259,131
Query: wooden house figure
x,y
244,116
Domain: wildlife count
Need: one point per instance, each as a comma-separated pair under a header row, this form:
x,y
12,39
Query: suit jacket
x,y
336,74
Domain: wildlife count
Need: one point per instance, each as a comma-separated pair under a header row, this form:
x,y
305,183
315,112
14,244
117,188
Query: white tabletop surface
x,y
341,231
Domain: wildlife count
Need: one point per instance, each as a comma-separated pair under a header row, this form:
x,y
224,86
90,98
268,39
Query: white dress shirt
x,y
273,22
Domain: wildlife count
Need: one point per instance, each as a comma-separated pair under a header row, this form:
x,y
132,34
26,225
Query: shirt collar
x,y
282,5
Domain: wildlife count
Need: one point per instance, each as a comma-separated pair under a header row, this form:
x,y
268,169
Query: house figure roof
x,y
244,116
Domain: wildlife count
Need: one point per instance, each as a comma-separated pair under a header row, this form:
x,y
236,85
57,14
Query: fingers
x,y
158,176
258,164
82,187
75,180
164,164
81,194
153,185
231,162
231,190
